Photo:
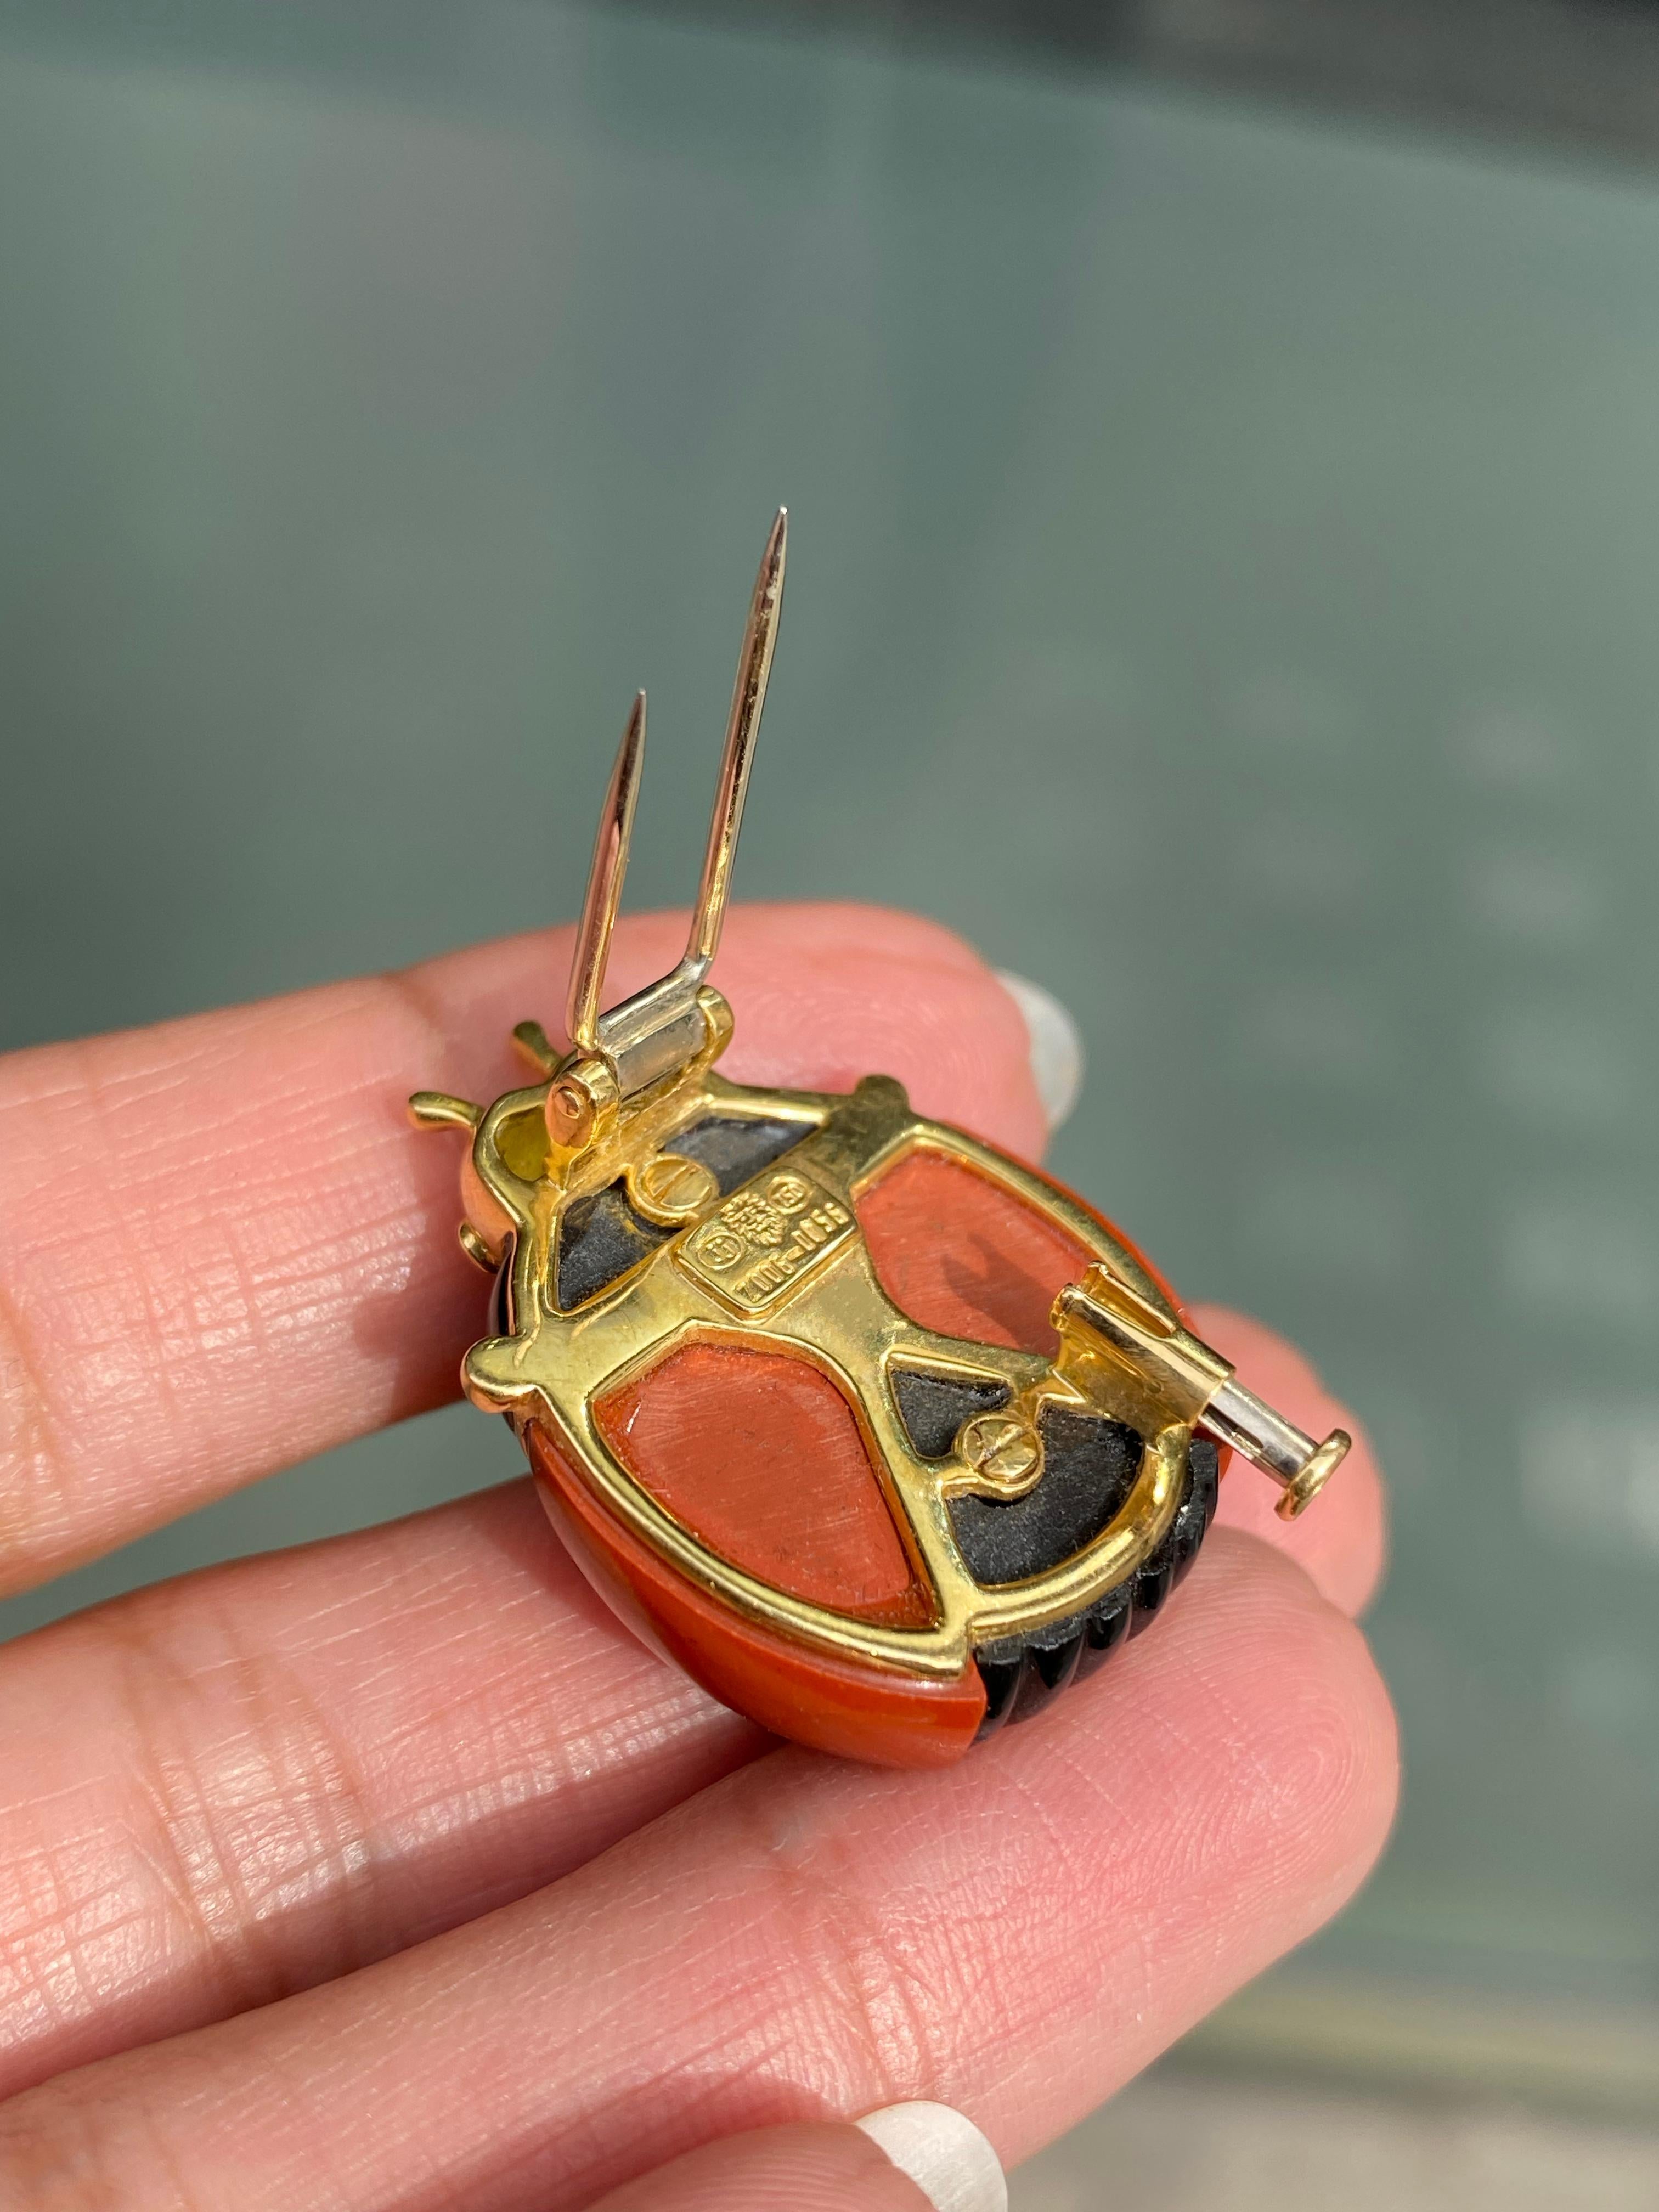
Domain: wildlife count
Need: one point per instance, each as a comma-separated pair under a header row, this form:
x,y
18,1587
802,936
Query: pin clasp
x,y
1170,1374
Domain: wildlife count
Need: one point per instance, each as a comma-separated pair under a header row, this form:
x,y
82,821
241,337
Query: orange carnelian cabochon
x,y
760,1456
960,1254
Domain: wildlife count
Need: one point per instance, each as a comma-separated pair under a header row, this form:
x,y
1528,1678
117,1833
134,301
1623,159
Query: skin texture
x,y
224,1249
389,1871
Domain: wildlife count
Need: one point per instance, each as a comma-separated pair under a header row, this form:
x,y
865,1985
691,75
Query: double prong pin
x,y
662,1027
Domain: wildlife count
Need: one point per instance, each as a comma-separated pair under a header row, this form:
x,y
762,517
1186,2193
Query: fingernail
x,y
1055,1043
943,2153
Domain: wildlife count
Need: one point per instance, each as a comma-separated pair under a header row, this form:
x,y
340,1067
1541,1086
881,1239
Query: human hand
x,y
390,1873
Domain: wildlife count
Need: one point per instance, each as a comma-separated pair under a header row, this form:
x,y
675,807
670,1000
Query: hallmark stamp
x,y
765,1238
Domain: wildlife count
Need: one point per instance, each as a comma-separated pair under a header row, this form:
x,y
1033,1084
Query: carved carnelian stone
x,y
760,1456
960,1253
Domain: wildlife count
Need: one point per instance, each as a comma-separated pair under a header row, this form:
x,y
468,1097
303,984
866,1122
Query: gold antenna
x,y
748,698
605,883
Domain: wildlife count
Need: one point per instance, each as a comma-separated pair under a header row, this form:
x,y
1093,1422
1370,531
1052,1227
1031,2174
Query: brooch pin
x,y
879,1433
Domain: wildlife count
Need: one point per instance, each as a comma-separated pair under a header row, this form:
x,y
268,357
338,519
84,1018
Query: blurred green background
x,y
1222,585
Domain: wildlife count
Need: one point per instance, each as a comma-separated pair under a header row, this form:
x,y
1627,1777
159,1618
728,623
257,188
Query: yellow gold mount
x,y
778,1264
827,1307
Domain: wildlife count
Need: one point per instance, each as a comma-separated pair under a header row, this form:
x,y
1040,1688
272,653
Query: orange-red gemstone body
x,y
761,1457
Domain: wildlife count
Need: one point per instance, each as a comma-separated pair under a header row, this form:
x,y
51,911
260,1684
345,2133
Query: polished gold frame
x,y
609,1111
556,1367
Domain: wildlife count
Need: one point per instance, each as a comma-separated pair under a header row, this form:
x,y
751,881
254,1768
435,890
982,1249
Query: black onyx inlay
x,y
1089,1468
734,1148
602,1236
933,1407
1022,1675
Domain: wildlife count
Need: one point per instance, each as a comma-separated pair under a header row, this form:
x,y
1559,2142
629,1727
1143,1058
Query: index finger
x,y
222,1249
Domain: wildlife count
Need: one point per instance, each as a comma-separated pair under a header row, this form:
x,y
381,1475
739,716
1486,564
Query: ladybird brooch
x,y
880,1434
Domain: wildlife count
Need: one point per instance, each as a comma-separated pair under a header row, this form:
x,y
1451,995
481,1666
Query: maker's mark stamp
x,y
765,1237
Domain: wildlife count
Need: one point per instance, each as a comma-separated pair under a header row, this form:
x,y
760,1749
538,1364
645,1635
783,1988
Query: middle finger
x,y
224,1248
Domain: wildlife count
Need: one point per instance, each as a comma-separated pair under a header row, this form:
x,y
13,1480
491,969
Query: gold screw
x,y
669,1190
1003,1450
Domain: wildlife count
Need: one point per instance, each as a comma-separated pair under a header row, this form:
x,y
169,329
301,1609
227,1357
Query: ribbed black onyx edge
x,y
1023,1675
1089,1468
